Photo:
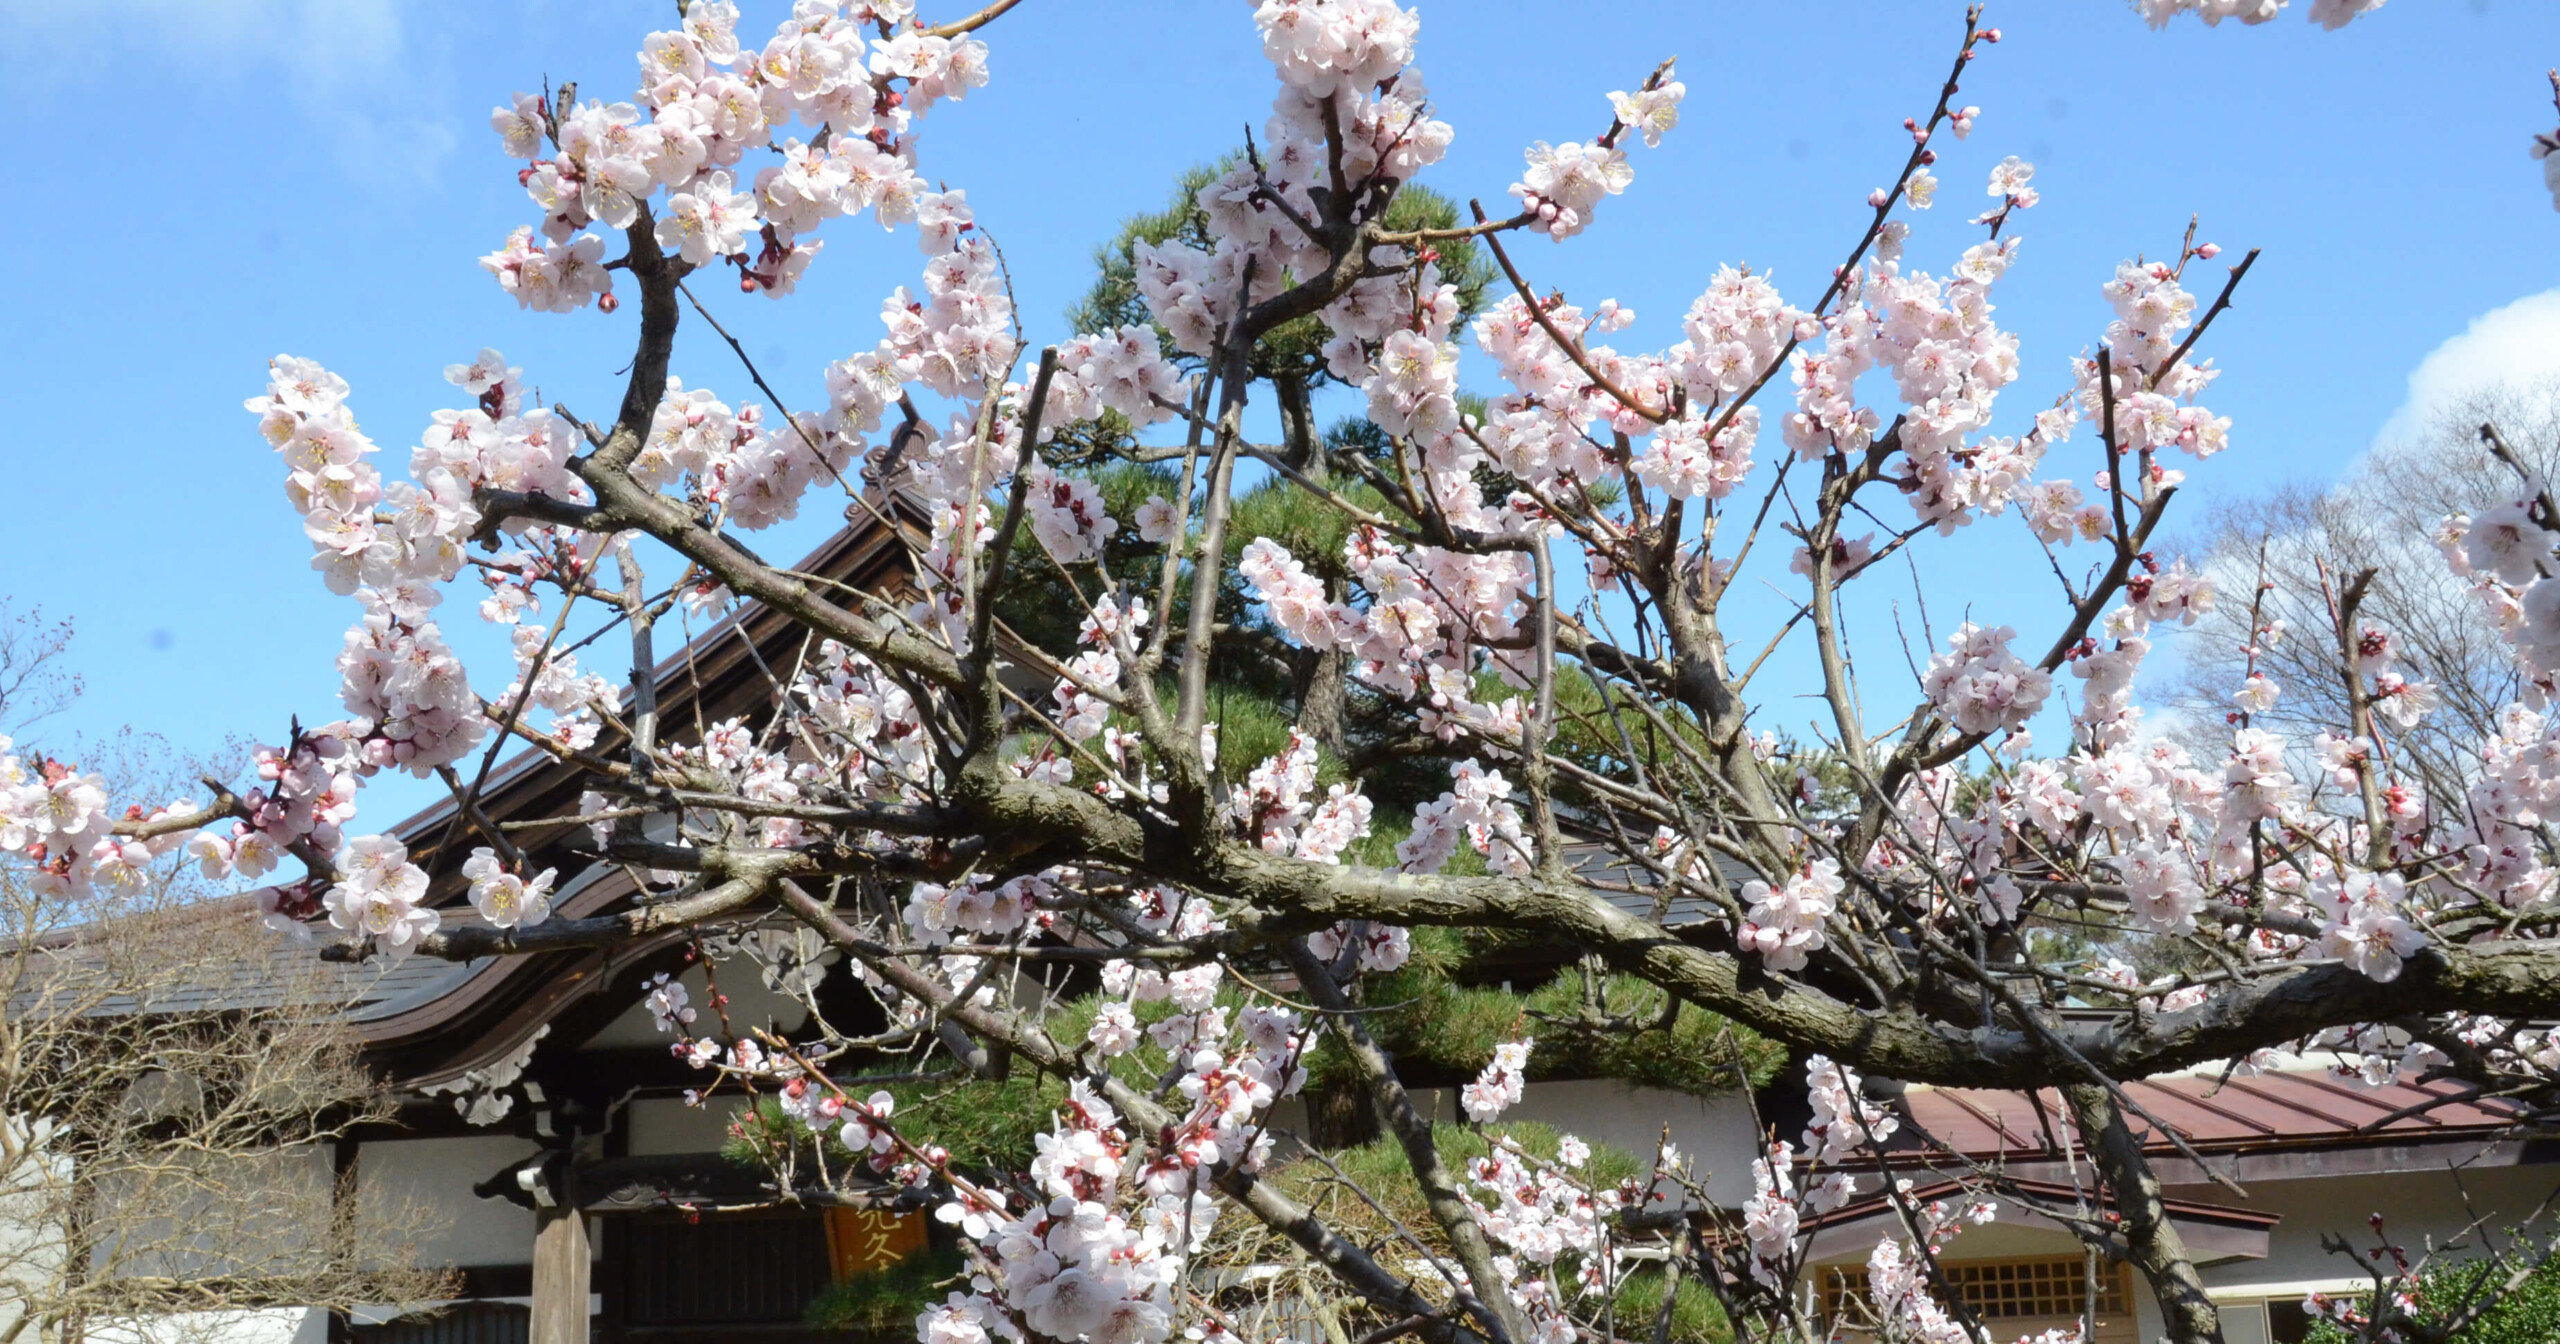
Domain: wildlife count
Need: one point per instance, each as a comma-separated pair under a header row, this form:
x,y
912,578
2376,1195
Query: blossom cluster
x,y
1787,923
1980,685
379,895
1843,1123
1477,809
1502,1083
709,100
1101,1241
1279,810
1898,1272
59,820
1543,1218
731,464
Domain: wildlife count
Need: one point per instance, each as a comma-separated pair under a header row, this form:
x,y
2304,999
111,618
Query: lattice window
x,y
1996,1289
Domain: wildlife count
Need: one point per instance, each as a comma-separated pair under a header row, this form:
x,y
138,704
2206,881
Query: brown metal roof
x,y
2288,1109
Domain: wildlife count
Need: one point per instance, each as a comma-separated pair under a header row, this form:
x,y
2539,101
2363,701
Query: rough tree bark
x,y
2151,1240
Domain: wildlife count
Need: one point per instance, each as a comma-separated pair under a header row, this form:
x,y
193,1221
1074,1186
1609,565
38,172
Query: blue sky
x,y
211,182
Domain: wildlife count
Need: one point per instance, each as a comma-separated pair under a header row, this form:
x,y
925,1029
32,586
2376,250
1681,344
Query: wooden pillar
x,y
560,1267
612,1291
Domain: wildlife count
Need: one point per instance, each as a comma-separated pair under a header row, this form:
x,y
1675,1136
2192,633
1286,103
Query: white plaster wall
x,y
435,1176
2011,1235
2416,1205
1715,1132
156,1240
32,1251
1287,1116
663,1125
165,1229
274,1325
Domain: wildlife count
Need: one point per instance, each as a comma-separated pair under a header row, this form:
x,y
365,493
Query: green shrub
x,y
2529,1315
985,1125
886,1302
1427,1019
1378,1168
1696,1316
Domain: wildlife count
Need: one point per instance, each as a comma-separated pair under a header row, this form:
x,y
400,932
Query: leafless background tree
x,y
2305,543
171,1081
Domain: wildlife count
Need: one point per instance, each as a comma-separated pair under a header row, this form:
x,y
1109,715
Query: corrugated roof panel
x,y
2272,1109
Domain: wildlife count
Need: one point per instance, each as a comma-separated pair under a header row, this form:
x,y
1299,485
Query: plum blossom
x,y
2366,926
377,897
707,222
1500,1085
864,1127
1843,1120
1566,181
1683,462
1651,111
670,1005
1785,923
1067,515
2401,700
2507,541
506,900
1114,1030
1770,1219
2009,180
1477,810
2257,694
1325,46
1156,519
553,277
1980,685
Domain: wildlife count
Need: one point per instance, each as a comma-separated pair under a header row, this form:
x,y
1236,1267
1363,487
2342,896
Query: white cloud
x,y
327,42
2517,344
353,68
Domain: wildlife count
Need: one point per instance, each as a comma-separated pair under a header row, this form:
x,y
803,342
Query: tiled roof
x,y
280,971
1601,865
